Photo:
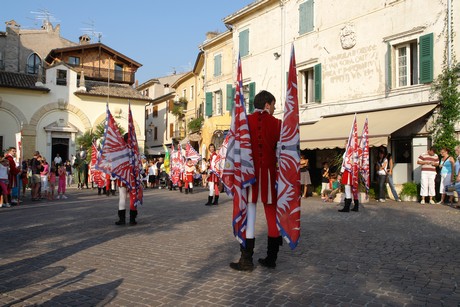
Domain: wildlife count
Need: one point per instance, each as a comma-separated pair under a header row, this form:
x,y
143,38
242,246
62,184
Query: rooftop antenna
x,y
45,16
91,31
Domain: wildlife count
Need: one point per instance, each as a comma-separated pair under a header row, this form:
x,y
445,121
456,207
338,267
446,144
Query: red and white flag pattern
x,y
364,157
114,156
288,183
191,153
351,158
98,176
135,192
238,173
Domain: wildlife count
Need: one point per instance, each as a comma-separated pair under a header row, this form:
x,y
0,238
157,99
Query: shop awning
x,y
332,132
157,150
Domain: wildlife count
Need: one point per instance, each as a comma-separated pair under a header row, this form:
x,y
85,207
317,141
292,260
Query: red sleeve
x,y
13,169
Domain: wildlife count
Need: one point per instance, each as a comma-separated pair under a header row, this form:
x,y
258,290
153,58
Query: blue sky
x,y
161,35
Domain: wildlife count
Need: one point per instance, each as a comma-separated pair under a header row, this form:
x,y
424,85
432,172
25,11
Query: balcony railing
x,y
102,74
179,134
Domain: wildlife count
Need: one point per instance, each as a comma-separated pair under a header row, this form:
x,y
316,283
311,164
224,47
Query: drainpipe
x,y
283,52
449,34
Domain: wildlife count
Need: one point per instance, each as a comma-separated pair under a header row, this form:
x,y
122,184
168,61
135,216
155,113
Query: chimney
x,y
84,39
211,34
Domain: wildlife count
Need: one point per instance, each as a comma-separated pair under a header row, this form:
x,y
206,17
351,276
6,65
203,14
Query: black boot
x,y
346,208
122,217
186,191
356,206
99,191
191,190
245,262
180,189
273,246
132,217
209,203
216,200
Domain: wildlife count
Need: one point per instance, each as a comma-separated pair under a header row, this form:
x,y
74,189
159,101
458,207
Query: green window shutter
x,y
426,58
217,65
317,76
389,72
230,97
252,94
208,104
244,42
306,16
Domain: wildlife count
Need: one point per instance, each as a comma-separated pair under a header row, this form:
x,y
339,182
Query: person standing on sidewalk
x,y
264,130
447,175
61,182
382,166
390,177
429,161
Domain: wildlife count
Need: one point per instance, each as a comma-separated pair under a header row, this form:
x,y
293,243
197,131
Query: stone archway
x,y
8,107
29,132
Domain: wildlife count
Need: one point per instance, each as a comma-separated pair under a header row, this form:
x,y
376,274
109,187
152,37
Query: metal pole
x,y
449,34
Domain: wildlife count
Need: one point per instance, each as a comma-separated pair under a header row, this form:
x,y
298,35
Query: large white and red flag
x,y
98,176
351,158
238,173
114,155
220,158
177,165
191,153
288,183
135,192
364,157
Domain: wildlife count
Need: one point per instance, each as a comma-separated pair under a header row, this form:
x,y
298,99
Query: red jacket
x,y
13,171
264,130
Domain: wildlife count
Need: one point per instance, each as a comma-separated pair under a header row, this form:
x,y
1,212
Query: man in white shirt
x,y
57,160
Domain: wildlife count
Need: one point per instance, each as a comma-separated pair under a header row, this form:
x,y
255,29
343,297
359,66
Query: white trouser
x,y
251,221
446,180
211,188
122,198
427,187
348,193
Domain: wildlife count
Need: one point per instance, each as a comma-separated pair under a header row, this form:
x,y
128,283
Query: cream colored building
x,y
55,105
158,118
190,98
374,58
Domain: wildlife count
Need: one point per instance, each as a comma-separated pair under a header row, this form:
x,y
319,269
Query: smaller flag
x,y
364,157
191,153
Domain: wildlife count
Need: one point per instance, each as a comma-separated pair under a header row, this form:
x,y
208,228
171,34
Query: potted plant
x,y
409,191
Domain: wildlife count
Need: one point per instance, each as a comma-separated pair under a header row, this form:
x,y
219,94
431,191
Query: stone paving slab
x,y
70,253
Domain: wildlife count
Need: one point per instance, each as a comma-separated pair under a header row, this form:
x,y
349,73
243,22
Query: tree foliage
x,y
86,139
447,88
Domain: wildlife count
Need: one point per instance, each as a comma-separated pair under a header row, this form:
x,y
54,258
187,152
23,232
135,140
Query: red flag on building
x,y
288,183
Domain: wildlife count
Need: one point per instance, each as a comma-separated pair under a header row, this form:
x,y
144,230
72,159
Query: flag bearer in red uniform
x,y
264,130
188,176
123,193
213,179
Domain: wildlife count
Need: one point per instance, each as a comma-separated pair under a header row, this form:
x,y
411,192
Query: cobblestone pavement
x,y
70,253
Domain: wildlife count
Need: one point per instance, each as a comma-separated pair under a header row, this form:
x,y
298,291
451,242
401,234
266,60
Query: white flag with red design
x,y
288,183
238,173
